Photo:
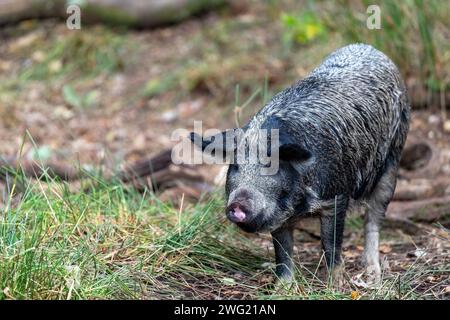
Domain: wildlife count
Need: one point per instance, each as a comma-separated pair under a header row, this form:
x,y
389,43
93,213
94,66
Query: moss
x,y
192,7
118,17
109,15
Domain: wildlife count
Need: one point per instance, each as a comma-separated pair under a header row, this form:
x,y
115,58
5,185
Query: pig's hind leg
x,y
376,205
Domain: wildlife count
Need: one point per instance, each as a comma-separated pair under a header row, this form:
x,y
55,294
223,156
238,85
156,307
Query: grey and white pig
x,y
341,133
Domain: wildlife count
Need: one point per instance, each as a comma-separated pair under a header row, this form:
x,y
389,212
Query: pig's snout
x,y
236,212
244,205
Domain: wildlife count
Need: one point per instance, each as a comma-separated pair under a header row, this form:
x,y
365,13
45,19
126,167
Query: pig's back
x,y
352,111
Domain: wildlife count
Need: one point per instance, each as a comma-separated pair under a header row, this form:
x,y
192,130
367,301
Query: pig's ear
x,y
219,145
294,152
290,149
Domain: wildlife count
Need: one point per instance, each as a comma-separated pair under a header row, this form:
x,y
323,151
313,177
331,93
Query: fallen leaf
x,y
351,254
266,265
385,248
266,279
354,295
7,294
228,281
418,253
358,281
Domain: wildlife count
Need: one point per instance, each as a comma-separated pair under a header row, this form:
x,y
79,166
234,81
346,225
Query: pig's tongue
x,y
239,214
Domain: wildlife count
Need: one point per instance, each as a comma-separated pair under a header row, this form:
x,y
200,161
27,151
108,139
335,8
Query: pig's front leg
x,y
284,243
332,222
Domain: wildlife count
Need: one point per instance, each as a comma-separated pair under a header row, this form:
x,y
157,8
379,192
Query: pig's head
x,y
259,197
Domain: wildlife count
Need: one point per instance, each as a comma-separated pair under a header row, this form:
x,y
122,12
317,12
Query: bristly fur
x,y
344,126
352,112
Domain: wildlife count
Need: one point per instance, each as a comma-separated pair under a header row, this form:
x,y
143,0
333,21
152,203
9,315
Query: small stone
x,y
169,116
434,119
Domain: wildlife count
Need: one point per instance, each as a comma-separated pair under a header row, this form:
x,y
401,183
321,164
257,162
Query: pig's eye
x,y
284,194
283,199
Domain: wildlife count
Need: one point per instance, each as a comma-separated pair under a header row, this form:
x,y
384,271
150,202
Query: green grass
x,y
411,34
70,57
111,242
91,53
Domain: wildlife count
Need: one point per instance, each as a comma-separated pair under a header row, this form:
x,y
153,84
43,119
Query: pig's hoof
x,y
283,285
373,275
338,279
369,279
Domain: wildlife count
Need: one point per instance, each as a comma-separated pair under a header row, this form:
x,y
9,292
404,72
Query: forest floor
x,y
103,97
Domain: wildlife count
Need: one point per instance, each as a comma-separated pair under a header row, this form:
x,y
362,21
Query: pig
x,y
341,131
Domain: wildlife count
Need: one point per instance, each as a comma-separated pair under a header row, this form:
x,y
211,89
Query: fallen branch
x,y
131,13
156,173
407,226
146,167
32,169
420,159
417,189
167,178
428,210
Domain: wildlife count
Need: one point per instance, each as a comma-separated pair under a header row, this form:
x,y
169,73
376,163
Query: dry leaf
x,y
385,248
418,253
359,282
228,281
351,254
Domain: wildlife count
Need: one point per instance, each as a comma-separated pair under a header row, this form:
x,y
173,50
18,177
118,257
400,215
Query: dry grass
x,y
111,242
